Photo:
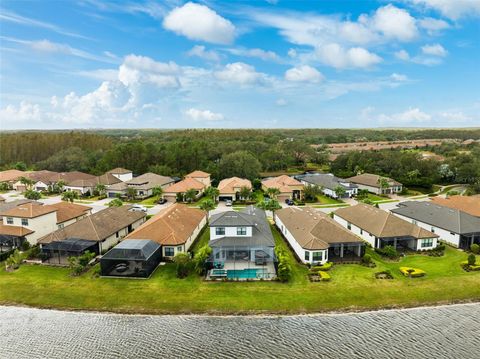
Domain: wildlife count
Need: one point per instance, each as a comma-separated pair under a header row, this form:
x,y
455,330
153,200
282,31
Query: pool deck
x,y
268,269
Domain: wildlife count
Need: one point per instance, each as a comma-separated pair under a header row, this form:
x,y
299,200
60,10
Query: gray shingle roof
x,y
326,180
443,217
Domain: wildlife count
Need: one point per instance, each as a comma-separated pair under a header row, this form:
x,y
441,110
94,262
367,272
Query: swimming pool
x,y
243,273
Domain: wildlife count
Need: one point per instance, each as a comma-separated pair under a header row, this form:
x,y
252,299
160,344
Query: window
x,y
24,222
179,249
9,220
317,256
432,229
349,225
307,255
361,231
169,251
452,233
241,231
61,225
220,231
414,221
116,234
427,242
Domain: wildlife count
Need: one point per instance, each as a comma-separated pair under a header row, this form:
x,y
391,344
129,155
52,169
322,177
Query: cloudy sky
x,y
262,64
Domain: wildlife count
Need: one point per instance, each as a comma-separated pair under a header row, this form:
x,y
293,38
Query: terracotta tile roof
x,y
28,210
468,204
96,227
198,174
171,226
228,185
16,231
11,175
284,183
381,223
185,185
67,211
372,180
119,171
5,206
313,229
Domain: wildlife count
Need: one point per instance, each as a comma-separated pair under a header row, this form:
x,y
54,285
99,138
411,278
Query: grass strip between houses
x,y
353,287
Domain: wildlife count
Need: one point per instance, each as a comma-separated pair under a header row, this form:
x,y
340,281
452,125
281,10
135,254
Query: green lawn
x,y
353,287
200,201
322,199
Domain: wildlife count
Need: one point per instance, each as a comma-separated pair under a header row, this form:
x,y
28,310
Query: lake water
x,y
437,332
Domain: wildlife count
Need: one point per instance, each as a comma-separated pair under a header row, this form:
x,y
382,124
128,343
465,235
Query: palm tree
x,y
190,195
245,193
131,193
27,182
207,206
157,191
100,188
383,182
212,192
340,191
273,192
69,196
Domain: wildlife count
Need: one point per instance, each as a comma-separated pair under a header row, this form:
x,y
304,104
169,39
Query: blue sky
x,y
236,64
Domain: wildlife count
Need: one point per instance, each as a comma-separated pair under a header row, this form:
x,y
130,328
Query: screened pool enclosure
x,y
58,252
131,258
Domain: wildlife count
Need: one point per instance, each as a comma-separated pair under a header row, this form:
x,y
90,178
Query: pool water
x,y
243,274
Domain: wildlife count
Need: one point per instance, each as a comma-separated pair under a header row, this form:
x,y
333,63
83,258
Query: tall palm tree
x,y
245,193
27,182
190,195
100,188
273,192
69,196
157,191
212,192
131,193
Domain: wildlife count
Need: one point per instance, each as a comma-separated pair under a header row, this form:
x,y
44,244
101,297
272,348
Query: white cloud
x,y
199,22
24,113
395,23
402,55
411,116
336,56
239,72
258,53
141,69
281,102
434,50
453,9
203,115
398,77
292,53
432,25
458,116
200,51
303,73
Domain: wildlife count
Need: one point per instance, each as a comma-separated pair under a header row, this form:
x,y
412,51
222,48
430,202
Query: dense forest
x,y
244,153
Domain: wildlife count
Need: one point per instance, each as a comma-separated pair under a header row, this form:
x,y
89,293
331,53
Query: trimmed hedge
x,y
412,272
325,267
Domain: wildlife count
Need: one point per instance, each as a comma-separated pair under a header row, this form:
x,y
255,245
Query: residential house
x,y
455,227
316,238
5,206
381,228
87,186
174,228
289,187
11,176
329,184
242,245
96,233
199,181
373,183
42,180
467,204
131,258
143,185
229,188
122,174
31,221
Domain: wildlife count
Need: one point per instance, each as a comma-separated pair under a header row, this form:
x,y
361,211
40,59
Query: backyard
x,y
353,287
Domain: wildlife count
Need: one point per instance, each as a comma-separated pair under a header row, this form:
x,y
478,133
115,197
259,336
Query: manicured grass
x,y
200,201
322,199
353,287
329,205
150,201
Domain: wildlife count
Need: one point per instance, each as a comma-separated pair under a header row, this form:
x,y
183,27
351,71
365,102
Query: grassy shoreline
x,y
353,288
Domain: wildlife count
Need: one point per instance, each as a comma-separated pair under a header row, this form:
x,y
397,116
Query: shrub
x,y
475,248
78,264
201,257
182,260
388,251
25,245
367,258
325,267
471,259
14,260
284,270
117,202
412,272
33,195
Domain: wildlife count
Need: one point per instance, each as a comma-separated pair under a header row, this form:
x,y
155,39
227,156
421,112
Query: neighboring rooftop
x,y
198,174
98,226
450,219
228,185
149,180
5,206
326,180
284,183
380,223
119,171
11,175
185,185
67,211
372,180
16,231
28,210
467,204
171,226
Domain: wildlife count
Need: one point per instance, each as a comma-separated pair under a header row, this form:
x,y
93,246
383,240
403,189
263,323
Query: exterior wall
x,y
366,236
113,194
378,190
375,190
420,241
182,248
229,232
144,193
297,248
206,181
109,242
40,186
447,236
41,226
124,176
81,190
71,221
